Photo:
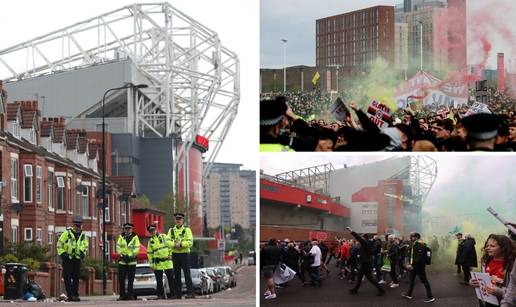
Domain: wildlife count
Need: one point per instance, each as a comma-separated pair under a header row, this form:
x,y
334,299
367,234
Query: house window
x,y
39,236
78,195
14,179
69,194
27,194
50,177
14,234
94,211
27,234
50,238
60,199
108,216
123,213
85,202
39,182
60,193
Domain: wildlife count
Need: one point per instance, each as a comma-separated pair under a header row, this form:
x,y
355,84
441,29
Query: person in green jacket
x,y
158,254
182,240
72,247
128,247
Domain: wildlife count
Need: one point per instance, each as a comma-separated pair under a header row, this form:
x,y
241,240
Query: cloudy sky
x,y
465,186
294,20
26,19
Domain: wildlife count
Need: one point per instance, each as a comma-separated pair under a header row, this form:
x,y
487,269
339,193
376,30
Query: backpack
x,y
428,255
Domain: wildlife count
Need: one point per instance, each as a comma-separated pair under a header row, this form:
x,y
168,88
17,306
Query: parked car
x,y
251,258
199,282
145,281
217,278
208,279
228,275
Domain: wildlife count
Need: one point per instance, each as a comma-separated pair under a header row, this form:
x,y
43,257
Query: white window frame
x,y
25,237
78,200
50,190
60,183
108,212
39,184
85,201
123,213
60,191
27,173
14,234
50,238
14,179
39,236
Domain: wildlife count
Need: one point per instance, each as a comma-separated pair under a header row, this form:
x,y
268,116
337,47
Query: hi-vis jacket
x,y
182,235
128,249
71,246
159,249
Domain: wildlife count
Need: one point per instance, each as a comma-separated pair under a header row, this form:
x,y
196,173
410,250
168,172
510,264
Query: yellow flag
x,y
316,78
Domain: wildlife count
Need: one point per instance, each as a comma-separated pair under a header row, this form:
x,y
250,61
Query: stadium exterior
x,y
159,134
380,197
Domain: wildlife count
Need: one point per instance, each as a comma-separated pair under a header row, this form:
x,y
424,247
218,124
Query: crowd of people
x,y
287,123
387,258
305,104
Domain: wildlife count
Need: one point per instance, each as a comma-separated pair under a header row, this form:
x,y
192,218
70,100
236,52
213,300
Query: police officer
x,y
72,247
182,240
128,247
482,129
158,253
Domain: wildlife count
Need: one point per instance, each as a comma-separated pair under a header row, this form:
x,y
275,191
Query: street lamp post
x,y
104,256
284,65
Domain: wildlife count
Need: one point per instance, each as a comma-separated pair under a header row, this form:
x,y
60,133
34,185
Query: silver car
x,y
145,281
199,281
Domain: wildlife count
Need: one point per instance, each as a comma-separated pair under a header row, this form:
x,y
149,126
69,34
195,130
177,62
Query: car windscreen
x,y
143,270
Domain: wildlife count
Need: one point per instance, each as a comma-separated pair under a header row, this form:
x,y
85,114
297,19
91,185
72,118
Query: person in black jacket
x,y
365,264
291,259
270,258
418,255
393,254
468,257
460,244
376,252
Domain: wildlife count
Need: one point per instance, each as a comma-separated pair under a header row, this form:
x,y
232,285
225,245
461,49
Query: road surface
x,y
242,295
334,292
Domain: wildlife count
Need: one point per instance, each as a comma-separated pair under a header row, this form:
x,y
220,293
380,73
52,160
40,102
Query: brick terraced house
x,y
49,174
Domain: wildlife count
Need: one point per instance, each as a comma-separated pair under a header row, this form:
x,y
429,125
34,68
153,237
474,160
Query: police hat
x,y
77,220
151,227
179,215
272,111
482,126
128,225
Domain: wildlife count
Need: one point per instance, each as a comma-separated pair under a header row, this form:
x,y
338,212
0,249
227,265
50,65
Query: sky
x,y
278,20
465,185
238,32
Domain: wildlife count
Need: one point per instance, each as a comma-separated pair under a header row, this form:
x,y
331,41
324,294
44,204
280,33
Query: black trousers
x,y
421,273
366,270
123,272
458,268
394,276
160,291
182,262
71,274
467,273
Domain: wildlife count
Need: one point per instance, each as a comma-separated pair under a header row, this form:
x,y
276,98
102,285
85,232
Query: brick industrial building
x,y
48,175
355,39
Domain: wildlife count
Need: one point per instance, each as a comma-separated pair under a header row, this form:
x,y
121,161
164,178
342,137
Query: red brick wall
x,y
297,234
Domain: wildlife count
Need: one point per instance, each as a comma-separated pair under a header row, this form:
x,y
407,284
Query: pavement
x,y
334,292
241,295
